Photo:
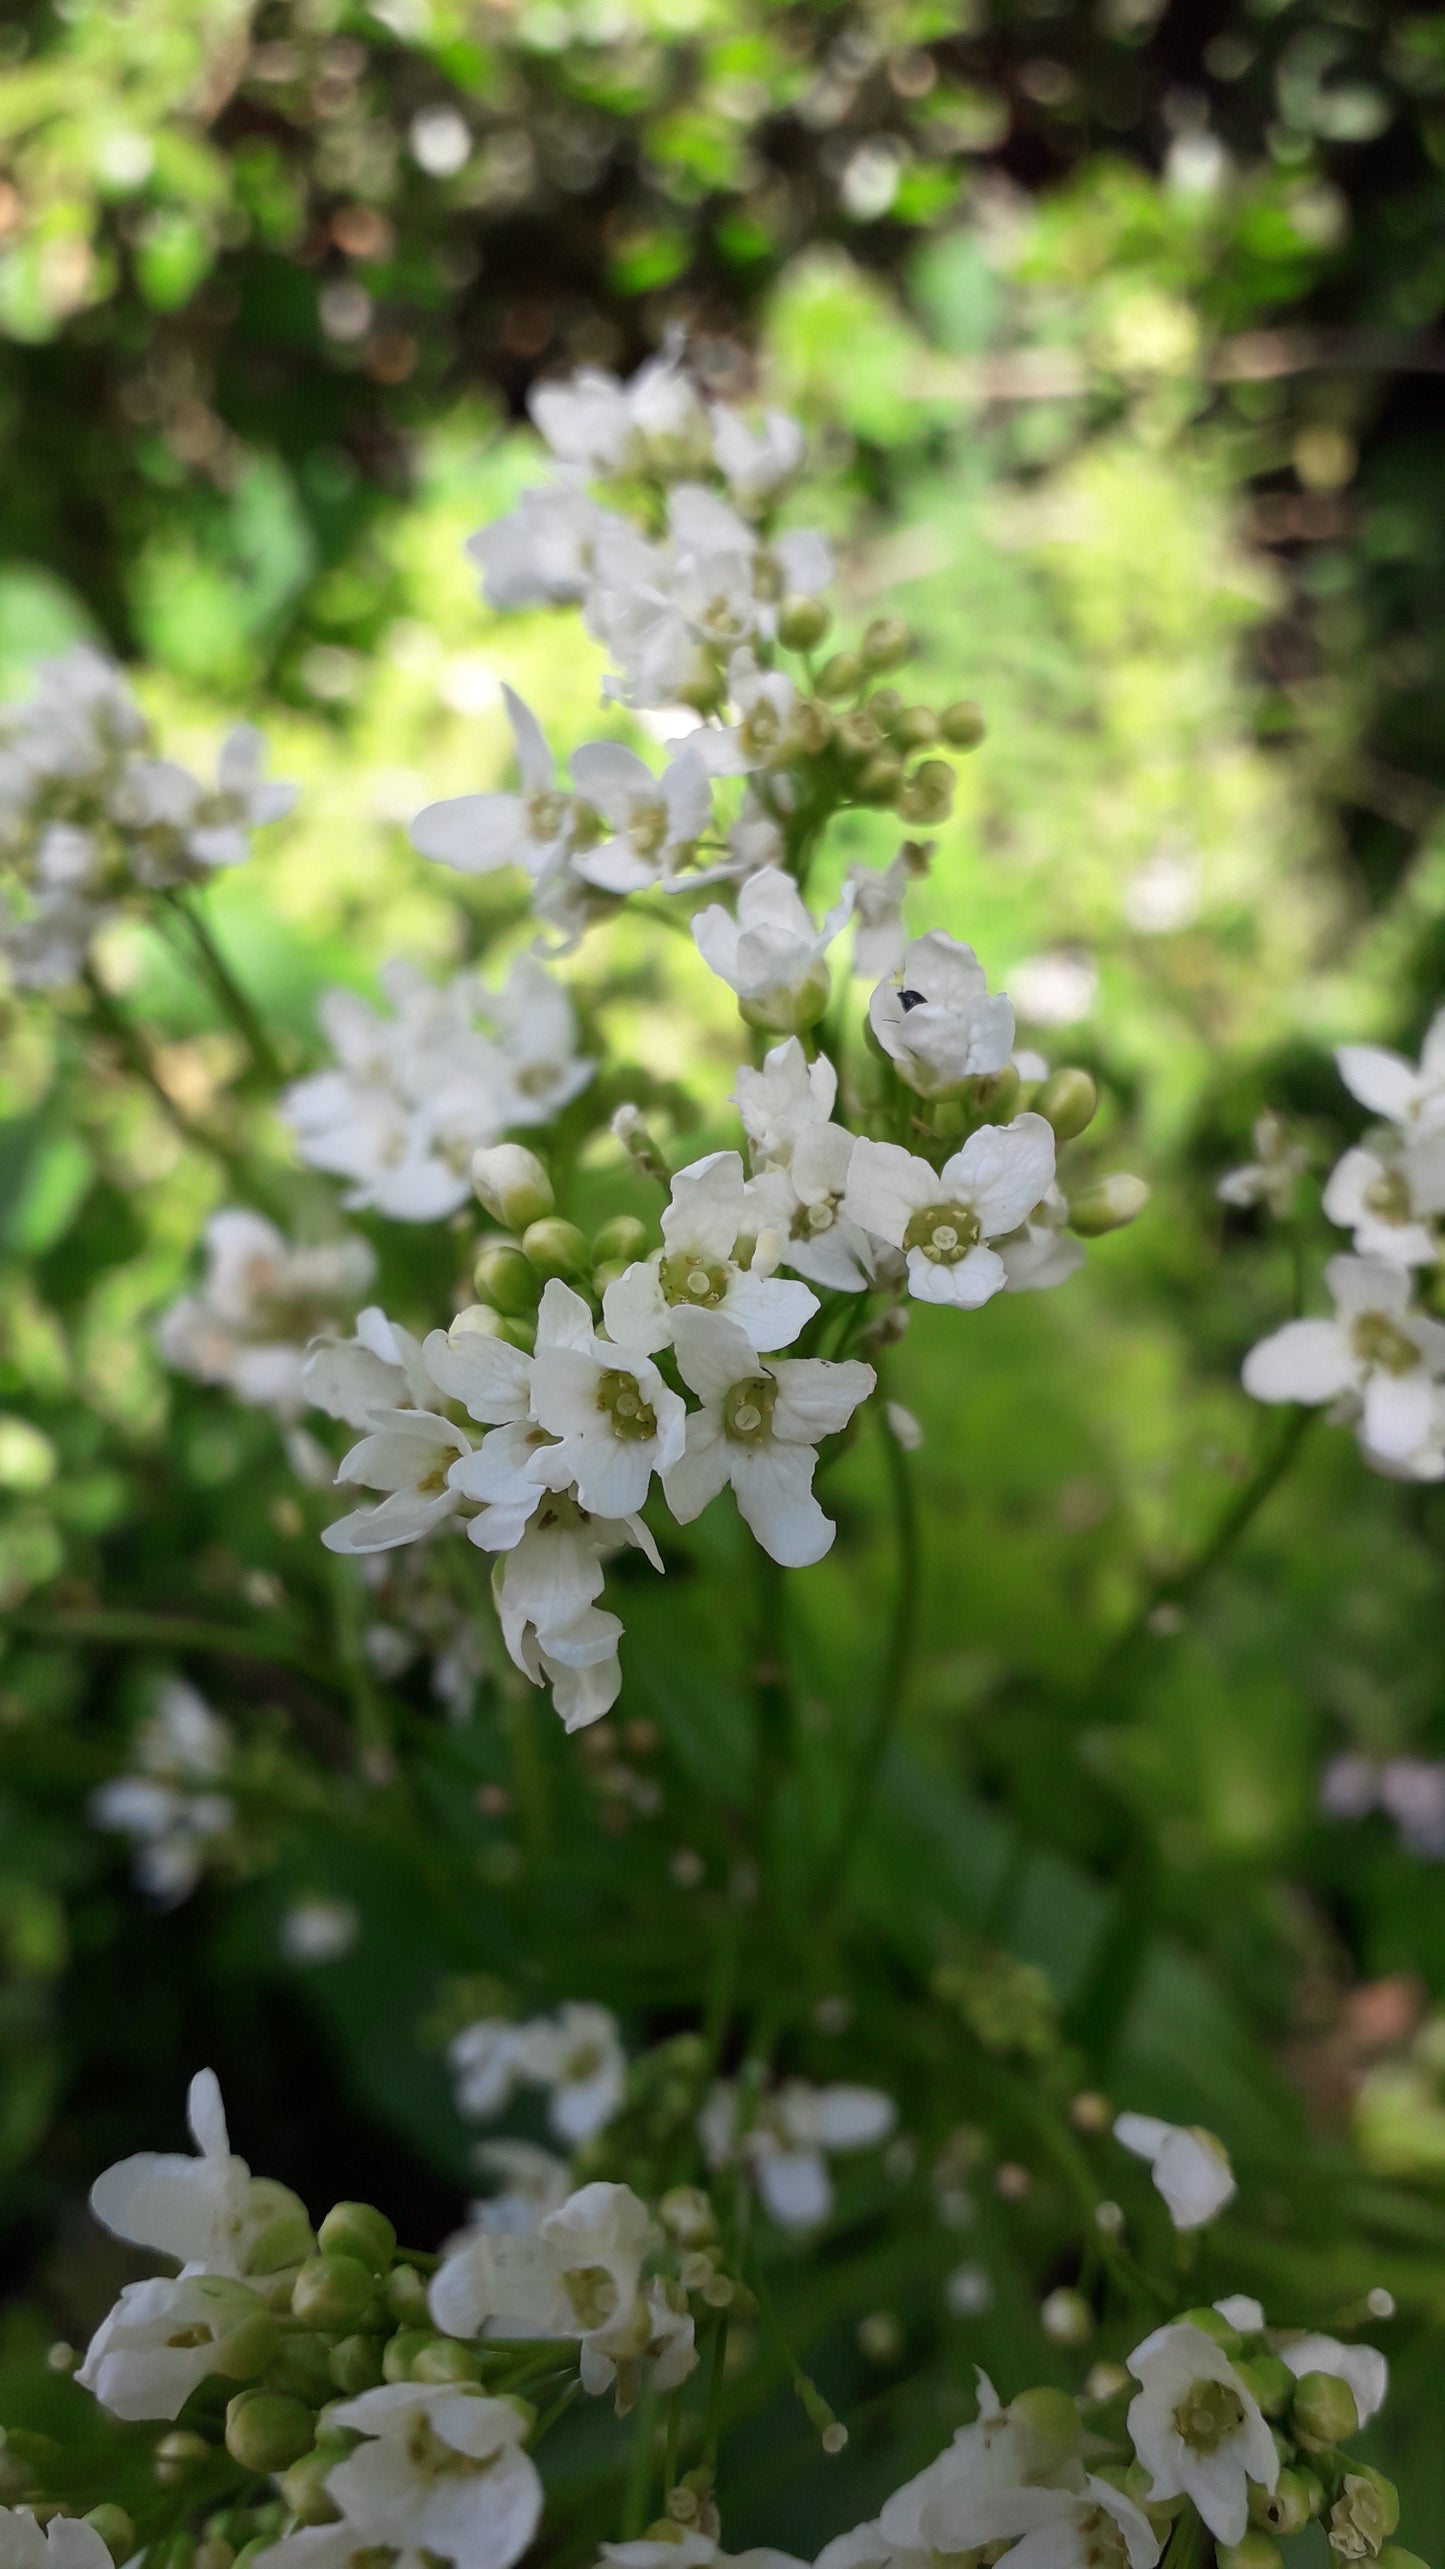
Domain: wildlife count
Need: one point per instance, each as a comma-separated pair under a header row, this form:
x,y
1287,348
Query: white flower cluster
x,y
416,1093
173,1808
90,816
576,2056
785,2138
260,1304
1379,1364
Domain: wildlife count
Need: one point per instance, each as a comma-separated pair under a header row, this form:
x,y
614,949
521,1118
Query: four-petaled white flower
x,y
381,1368
1271,1177
531,2182
938,1023
543,552
755,462
654,822
66,2542
802,1206
781,1100
711,1213
409,1455
759,1427
879,943
546,1590
440,2470
171,1810
655,423
1197,2429
944,1220
477,833
1395,1088
772,953
1363,2367
1095,2527
1189,2166
1377,1354
579,2275
191,2206
959,2503
610,1419
262,1301
163,2338
765,700
1392,1198
788,2141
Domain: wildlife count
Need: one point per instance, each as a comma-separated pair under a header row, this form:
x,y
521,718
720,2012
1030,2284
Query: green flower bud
x,y
1270,2381
24,2456
843,675
401,2351
621,1241
1283,2509
917,727
1256,2551
248,2348
802,623
991,1095
809,729
929,794
250,2552
180,2453
1395,2556
1212,2323
555,1248
1364,2514
444,2359
359,2230
1052,2418
215,2553
1069,1101
885,705
1323,2410
1108,1206
1138,2484
860,736
304,2487
962,725
887,643
406,2296
333,2292
355,2364
880,780
301,2366
504,1278
115,2530
511,1184
279,2227
266,2430
687,2216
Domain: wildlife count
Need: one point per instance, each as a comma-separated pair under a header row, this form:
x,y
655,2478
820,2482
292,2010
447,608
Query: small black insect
x,y
911,999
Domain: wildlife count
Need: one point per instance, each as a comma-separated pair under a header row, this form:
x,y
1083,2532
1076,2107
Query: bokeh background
x,y
1117,332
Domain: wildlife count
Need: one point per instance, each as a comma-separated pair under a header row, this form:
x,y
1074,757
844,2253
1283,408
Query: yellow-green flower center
x,y
592,2294
748,1409
1388,1196
686,1277
1209,2413
944,1233
619,1398
1378,1340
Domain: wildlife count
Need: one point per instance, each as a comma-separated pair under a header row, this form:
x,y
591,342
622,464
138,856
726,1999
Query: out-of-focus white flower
x,y
1377,1356
1054,989
759,1428
1189,2166
171,1809
755,462
1271,1176
793,2133
944,1220
1392,1198
1197,2428
162,2339
408,1455
1395,1088
477,833
543,552
318,1931
938,1024
654,821
773,953
194,2208
764,699
654,424
381,1368
244,799
579,2275
440,2471
576,2055
968,2496
781,1100
531,2182
711,1213
1045,1252
879,944
66,2542
261,1302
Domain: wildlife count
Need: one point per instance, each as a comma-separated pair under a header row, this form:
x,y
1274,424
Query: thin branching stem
x,y
892,1675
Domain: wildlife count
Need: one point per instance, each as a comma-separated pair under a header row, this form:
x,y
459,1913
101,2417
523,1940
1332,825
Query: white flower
x,y
654,821
262,1300
579,2275
1095,2527
163,2338
1376,1352
1045,1252
440,2471
381,1368
1189,2166
553,1630
477,833
1391,1086
938,1025
802,1205
969,2495
783,1099
66,2542
578,2055
318,1931
328,2546
655,423
244,799
879,944
193,2208
786,2145
409,1455
169,1810
765,699
755,462
773,954
1197,2429
1055,989
660,2335
1363,2367
1271,1176
684,2548
1391,1198
759,1428
943,1220
543,552
531,2183
711,1212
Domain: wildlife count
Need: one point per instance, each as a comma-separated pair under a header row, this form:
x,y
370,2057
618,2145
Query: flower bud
x,y
279,2227
1364,2514
215,2553
511,1184
885,705
809,729
444,2359
305,2490
928,795
479,1320
880,780
179,2454
115,2530
1069,1101
302,2367
843,675
332,2292
1052,2419
1270,2382
887,643
802,623
687,2215
401,2352
555,1248
621,1241
266,2430
629,1129
790,1012
1256,2551
358,2230
1323,2410
406,2296
1285,2508
860,736
1395,2556
1066,2318
1115,1201
917,727
992,1094
503,1277
962,725
247,2348
354,2364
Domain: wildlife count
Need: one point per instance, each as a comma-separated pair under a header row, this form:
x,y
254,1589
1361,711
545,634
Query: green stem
x,y
115,1022
892,1676
639,2466
375,1755
716,2375
130,1628
1180,1585
234,1001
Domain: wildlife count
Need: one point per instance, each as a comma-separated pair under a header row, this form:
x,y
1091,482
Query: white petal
x,y
773,1485
1307,1360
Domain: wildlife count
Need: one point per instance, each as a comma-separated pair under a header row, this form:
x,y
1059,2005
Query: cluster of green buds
x,y
534,1242
864,740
